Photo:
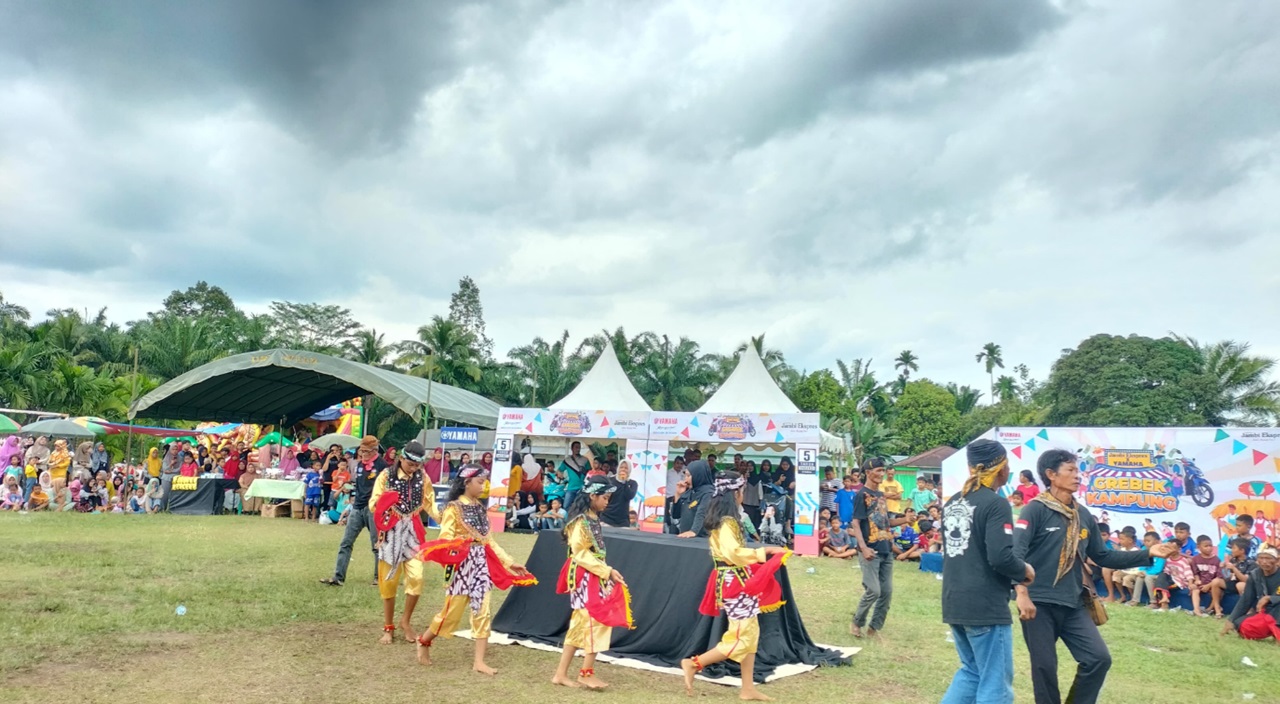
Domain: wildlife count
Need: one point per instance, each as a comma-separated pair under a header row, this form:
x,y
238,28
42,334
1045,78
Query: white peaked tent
x,y
605,387
750,389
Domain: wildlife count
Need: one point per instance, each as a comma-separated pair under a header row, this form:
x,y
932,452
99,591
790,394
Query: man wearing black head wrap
x,y
978,571
690,507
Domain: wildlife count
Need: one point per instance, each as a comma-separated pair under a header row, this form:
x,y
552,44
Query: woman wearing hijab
x,y
60,461
12,447
692,500
154,495
486,462
203,460
80,461
38,454
99,459
436,468
532,484
289,461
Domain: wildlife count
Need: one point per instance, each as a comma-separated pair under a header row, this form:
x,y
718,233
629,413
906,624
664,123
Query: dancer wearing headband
x,y
399,497
596,591
473,564
742,584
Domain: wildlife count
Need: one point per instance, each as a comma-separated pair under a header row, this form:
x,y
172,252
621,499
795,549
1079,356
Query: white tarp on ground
x,y
750,389
604,388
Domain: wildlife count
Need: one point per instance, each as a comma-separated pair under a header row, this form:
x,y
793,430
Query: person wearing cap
x,y
367,467
979,569
473,563
596,591
742,585
1054,534
400,496
1261,598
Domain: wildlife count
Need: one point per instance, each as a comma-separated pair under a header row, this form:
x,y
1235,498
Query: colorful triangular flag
x,y
537,418
529,428
1043,434
694,421
1220,435
1258,457
1017,452
604,423
685,432
778,438
771,426
1237,447
1032,443
612,434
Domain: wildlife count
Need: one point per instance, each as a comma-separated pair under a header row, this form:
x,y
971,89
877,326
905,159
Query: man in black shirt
x,y
978,570
365,472
1054,534
875,549
1261,597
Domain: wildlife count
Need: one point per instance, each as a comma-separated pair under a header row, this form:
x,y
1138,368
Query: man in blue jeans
x,y
978,570
368,465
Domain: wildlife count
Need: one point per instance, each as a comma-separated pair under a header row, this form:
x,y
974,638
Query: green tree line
x,y
83,364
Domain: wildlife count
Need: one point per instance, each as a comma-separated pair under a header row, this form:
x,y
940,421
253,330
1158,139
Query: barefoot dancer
x,y
596,591
473,565
742,584
399,497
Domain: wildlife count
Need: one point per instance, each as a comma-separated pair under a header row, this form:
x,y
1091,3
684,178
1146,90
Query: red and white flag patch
x,y
1008,529
1022,524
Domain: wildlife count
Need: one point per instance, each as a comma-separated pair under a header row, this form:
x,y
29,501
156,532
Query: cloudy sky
x,y
854,178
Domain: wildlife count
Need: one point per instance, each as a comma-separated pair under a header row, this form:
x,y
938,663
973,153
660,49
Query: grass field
x,y
88,612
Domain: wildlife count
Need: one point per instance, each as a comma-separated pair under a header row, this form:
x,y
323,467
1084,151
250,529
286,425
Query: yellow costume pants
x,y
740,639
587,633
446,623
389,578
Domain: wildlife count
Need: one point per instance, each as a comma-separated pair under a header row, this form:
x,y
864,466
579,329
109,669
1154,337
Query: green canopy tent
x,y
275,386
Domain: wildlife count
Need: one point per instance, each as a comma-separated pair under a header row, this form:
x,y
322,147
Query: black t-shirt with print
x,y
870,509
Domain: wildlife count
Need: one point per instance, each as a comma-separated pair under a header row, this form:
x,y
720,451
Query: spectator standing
x,y
874,533
328,466
189,467
980,566
368,466
437,471
59,460
1053,533
827,490
844,501
923,496
1244,531
574,468
786,475
314,493
750,492
99,459
618,512
892,490
693,501
1182,538
1027,488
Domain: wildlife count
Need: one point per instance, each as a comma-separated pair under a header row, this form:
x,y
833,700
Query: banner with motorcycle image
x,y
1154,478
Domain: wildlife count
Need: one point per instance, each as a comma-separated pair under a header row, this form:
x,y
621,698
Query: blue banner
x,y
460,436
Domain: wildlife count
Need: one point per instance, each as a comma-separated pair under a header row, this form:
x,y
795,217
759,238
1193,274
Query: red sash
x,y
384,519
1260,626
613,609
761,582
451,553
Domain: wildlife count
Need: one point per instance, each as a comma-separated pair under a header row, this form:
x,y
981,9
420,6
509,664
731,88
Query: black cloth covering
x,y
205,500
667,577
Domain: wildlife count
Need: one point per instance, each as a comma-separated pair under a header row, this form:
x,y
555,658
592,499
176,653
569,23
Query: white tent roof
x,y
604,388
750,389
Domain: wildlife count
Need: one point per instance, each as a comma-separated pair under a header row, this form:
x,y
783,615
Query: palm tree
x,y
444,351
368,347
548,369
12,312
966,398
991,354
1006,388
676,376
860,386
172,346
870,438
784,375
22,368
906,363
631,351
1239,388
66,335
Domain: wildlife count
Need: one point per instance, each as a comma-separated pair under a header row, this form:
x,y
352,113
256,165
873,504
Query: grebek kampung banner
x,y
574,424
1154,478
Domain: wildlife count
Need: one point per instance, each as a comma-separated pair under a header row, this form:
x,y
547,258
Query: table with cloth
x,y
667,577
197,496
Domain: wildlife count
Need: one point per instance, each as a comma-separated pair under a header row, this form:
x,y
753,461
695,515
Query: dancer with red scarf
x,y
400,495
742,584
473,565
596,591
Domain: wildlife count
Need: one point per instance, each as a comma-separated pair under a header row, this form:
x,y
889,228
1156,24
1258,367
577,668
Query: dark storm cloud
x,y
347,74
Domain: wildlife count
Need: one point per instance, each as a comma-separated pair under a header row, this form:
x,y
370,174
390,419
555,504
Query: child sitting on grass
x,y
314,491
1205,569
11,500
838,543
904,542
930,537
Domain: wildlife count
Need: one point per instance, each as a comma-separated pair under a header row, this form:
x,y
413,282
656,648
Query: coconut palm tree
x,y
870,438
991,355
860,386
12,312
1239,387
906,363
631,351
22,368
784,375
1006,388
172,346
368,347
548,369
966,398
676,376
444,351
